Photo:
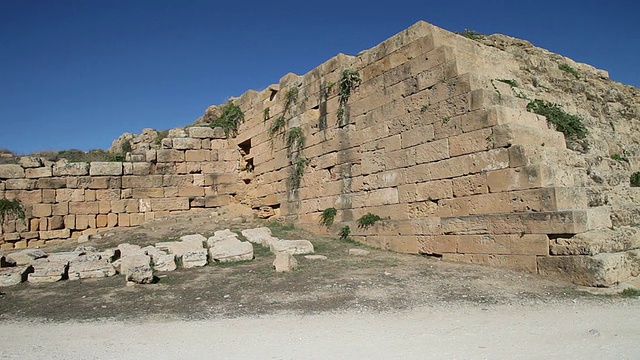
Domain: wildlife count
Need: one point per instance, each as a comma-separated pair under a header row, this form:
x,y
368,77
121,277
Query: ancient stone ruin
x,y
439,135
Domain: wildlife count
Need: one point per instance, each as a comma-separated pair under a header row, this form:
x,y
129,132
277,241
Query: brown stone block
x,y
140,182
90,195
70,221
144,193
55,234
437,245
475,141
432,151
403,244
101,221
482,259
105,168
108,194
123,219
70,169
100,182
41,210
470,185
56,222
11,171
20,184
170,155
483,244
51,183
136,219
186,144
40,172
84,208
85,221
22,244
216,200
44,224
197,155
170,192
112,220
178,203
36,243
140,169
60,208
34,224
190,191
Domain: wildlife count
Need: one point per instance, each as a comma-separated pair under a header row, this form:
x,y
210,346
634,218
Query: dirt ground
x,y
381,281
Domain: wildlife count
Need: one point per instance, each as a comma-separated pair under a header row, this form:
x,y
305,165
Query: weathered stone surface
x,y
231,249
602,270
597,241
30,162
260,236
315,257
221,235
137,268
201,132
293,247
65,256
64,168
160,259
26,256
14,275
194,258
194,238
105,168
129,249
284,262
359,252
11,171
45,271
90,266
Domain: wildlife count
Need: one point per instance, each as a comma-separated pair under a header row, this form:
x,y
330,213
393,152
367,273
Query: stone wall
x,y
433,140
194,169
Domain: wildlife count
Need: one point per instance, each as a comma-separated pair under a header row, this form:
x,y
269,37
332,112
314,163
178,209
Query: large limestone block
x,y
187,144
11,171
194,238
221,235
284,262
67,256
201,132
30,162
90,266
231,249
64,168
194,258
45,271
293,247
260,236
14,275
105,168
26,257
137,268
602,270
160,259
129,250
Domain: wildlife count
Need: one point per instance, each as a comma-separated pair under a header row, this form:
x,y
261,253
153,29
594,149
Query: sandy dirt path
x,y
581,330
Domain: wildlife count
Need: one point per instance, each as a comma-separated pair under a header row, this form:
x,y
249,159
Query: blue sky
x,y
78,73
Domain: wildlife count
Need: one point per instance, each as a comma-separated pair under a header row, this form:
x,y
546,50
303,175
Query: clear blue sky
x,y
78,73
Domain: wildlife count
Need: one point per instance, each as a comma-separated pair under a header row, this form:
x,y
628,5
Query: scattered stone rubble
x,y
138,264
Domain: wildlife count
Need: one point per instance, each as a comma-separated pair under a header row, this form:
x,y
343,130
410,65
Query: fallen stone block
x,y
137,268
315,257
194,238
45,271
26,257
179,248
194,258
90,267
260,236
284,262
231,249
602,270
14,275
164,262
67,256
293,247
221,235
358,252
129,249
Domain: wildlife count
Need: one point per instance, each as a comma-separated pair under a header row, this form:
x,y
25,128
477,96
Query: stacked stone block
x,y
65,200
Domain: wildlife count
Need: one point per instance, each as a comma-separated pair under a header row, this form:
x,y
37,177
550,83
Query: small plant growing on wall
x,y
568,69
299,165
344,233
295,140
570,125
367,220
265,113
290,97
634,180
277,125
231,117
327,217
10,209
471,34
348,82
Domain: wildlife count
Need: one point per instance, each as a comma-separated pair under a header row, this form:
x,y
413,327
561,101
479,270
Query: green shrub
x,y
567,68
295,139
619,158
299,165
344,233
634,180
471,34
277,125
265,113
327,217
570,125
630,292
161,134
231,117
10,209
509,82
366,221
348,82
